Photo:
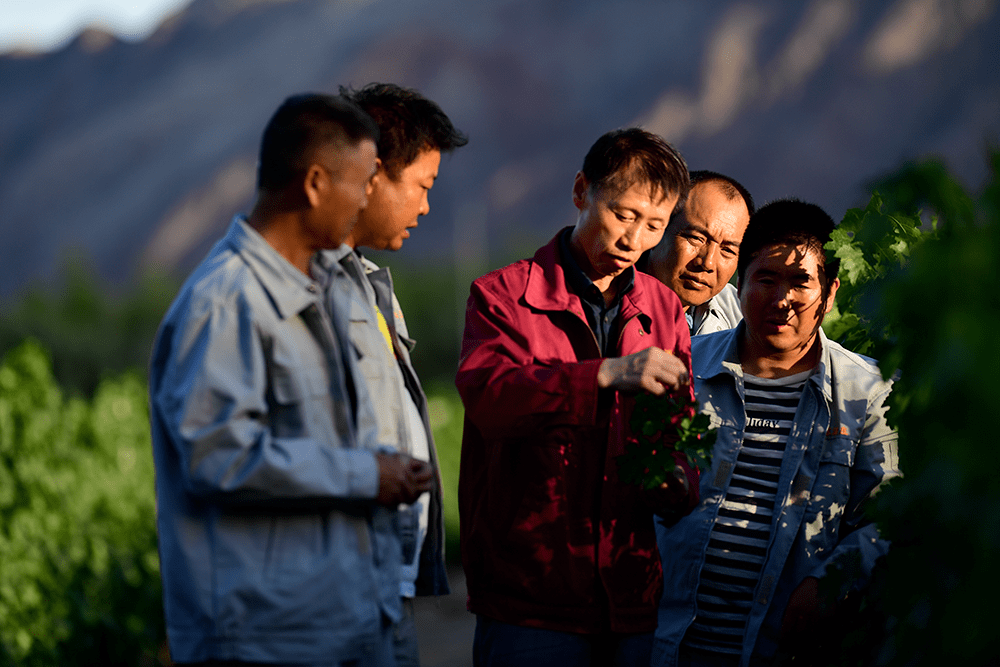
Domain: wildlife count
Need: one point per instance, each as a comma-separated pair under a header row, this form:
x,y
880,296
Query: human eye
x,y
803,280
763,279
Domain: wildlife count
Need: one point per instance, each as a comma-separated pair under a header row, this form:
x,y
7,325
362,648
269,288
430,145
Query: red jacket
x,y
550,537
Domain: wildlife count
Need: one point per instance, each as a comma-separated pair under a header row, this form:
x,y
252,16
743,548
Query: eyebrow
x,y
616,204
704,232
768,273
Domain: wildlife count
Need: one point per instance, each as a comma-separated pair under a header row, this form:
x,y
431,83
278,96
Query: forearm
x,y
237,460
507,399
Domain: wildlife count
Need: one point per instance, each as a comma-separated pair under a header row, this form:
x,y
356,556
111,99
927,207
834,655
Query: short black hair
x,y
409,124
731,188
302,125
789,221
623,157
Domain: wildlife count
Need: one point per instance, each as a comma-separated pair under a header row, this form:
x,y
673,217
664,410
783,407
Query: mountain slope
x,y
138,154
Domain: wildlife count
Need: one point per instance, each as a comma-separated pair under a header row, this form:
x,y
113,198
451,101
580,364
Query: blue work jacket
x,y
272,548
839,452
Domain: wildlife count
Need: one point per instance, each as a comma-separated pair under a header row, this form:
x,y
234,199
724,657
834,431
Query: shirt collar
x,y
290,290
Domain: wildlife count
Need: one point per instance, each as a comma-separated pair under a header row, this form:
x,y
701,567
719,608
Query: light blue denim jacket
x,y
271,546
374,289
839,452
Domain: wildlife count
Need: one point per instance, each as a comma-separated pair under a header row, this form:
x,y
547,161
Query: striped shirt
x,y
740,537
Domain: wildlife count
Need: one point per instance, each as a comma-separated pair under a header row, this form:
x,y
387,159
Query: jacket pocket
x,y
298,394
831,491
832,485
839,451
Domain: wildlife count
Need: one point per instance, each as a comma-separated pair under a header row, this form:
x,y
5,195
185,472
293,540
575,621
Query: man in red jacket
x,y
560,556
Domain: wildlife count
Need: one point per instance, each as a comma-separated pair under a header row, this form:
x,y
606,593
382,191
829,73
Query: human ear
x,y
580,187
378,178
314,184
831,296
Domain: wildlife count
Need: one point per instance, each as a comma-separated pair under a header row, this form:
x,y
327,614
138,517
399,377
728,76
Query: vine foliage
x,y
919,292
664,425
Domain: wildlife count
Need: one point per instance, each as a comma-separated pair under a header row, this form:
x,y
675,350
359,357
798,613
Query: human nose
x,y
782,298
708,257
630,237
425,205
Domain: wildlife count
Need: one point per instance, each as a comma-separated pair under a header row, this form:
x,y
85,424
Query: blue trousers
x,y
499,644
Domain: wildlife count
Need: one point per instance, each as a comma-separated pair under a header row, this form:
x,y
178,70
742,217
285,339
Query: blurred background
x,y
128,142
130,154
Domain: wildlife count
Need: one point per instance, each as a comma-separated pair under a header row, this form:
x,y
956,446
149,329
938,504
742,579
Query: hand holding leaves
x,y
664,425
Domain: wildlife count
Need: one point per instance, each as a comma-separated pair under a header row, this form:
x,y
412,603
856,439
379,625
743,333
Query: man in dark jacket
x,y
413,133
560,555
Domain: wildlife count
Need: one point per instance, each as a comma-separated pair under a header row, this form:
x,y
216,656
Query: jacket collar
x,y
546,285
717,354
720,353
289,289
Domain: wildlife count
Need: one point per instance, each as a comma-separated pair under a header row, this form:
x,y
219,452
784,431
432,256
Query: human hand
x,y
652,370
666,499
805,624
401,478
803,607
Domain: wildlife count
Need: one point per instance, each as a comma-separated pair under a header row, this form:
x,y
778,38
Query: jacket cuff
x,y
363,477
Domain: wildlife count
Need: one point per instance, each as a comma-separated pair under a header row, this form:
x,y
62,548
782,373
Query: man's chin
x,y
391,245
691,299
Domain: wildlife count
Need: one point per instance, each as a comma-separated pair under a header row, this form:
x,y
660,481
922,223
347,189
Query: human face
x,y
700,248
614,228
341,191
783,305
395,204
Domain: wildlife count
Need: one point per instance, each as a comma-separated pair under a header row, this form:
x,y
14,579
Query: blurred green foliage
x,y
89,333
932,313
447,416
79,580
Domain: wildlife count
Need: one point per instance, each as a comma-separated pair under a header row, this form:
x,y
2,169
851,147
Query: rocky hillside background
x,y
135,155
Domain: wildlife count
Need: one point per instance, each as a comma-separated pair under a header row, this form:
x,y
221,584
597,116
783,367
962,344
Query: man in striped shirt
x,y
802,443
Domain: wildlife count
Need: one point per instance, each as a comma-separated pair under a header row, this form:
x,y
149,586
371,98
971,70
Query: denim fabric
x,y
839,452
383,371
404,637
271,547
